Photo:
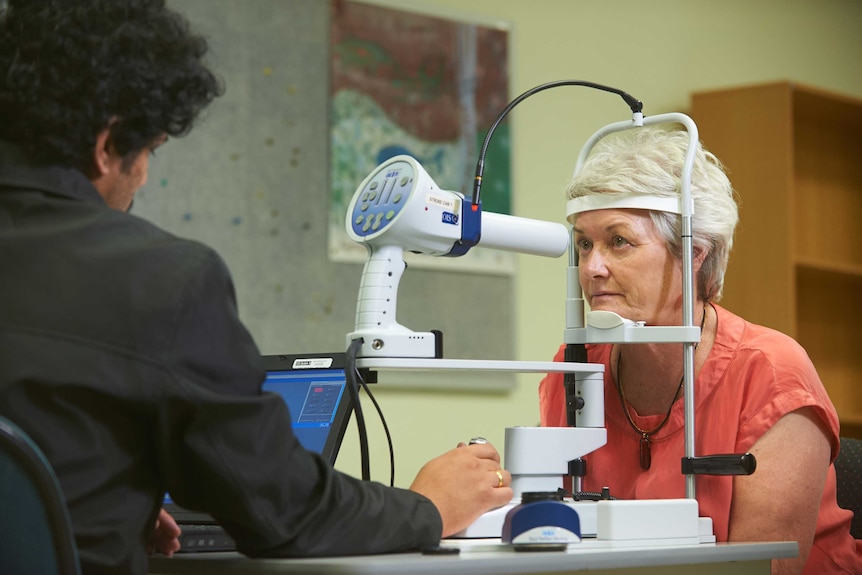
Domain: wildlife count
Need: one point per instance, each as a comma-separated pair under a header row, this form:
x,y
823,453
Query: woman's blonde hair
x,y
649,161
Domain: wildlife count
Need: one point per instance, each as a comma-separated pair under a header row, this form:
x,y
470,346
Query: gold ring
x,y
499,478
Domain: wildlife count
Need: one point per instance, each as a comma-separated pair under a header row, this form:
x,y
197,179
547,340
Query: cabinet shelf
x,y
792,153
840,268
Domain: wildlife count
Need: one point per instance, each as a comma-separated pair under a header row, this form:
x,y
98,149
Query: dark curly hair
x,y
71,68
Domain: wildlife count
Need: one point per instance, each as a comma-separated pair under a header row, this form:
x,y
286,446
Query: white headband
x,y
621,200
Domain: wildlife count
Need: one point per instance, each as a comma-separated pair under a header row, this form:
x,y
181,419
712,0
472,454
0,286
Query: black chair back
x,y
848,470
35,533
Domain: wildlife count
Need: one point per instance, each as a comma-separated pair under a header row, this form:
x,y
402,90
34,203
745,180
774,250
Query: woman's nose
x,y
593,264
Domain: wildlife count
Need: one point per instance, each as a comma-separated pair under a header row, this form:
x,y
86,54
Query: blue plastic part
x,y
471,229
551,514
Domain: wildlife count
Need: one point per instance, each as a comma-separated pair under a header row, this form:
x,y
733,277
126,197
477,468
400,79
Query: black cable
x,y
353,389
385,428
633,103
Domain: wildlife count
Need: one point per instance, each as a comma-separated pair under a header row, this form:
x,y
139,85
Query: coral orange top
x,y
752,377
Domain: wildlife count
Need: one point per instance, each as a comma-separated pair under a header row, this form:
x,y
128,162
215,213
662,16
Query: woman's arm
x,y
781,500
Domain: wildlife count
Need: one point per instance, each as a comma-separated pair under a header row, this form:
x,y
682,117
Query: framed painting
x,y
428,86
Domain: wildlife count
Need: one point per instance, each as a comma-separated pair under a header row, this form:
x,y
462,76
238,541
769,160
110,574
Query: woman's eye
x,y
619,241
583,245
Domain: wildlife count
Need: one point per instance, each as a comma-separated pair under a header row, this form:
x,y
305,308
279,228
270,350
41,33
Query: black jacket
x,y
122,355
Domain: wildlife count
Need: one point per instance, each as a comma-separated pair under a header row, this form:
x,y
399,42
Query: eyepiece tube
x,y
523,235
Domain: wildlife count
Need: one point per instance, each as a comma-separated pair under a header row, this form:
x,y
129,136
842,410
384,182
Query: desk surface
x,y
711,559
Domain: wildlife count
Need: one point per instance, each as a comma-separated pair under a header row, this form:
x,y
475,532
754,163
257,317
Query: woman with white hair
x,y
756,390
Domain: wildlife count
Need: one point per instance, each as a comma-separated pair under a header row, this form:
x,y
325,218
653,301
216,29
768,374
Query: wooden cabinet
x,y
794,156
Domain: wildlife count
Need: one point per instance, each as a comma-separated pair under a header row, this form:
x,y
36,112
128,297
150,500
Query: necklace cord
x,y
645,454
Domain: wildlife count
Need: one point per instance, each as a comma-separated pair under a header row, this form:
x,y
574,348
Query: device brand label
x,y
312,362
450,218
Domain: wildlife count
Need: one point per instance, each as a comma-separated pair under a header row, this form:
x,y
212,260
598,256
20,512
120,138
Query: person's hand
x,y
464,483
165,537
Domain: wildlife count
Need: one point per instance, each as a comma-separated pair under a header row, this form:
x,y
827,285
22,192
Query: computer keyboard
x,y
198,538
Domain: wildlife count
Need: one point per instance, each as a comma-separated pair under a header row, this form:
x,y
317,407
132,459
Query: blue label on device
x,y
450,218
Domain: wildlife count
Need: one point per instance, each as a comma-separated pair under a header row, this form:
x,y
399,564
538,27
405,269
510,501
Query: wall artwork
x,y
410,83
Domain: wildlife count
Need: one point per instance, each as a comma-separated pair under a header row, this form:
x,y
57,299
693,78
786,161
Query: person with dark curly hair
x,y
121,351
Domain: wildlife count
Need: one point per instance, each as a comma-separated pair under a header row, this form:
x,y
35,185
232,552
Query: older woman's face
x,y
625,266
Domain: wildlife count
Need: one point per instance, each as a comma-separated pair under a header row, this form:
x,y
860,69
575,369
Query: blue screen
x,y
312,397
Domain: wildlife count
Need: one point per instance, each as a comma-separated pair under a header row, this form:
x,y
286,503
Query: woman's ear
x,y
698,257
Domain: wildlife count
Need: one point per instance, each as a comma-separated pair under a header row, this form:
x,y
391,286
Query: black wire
x,y
385,428
633,103
353,388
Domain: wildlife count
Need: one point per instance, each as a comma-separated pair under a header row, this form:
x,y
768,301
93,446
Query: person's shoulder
x,y
144,235
150,254
749,335
751,343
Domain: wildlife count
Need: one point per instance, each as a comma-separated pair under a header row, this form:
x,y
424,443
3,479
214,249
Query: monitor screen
x,y
313,397
314,387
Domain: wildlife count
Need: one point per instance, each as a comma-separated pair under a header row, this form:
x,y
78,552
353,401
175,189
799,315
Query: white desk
x,y
705,559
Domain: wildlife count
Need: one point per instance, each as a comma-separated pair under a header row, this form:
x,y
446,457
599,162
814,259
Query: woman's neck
x,y
651,372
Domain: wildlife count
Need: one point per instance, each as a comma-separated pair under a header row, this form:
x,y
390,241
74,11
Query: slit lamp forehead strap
x,y
609,201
